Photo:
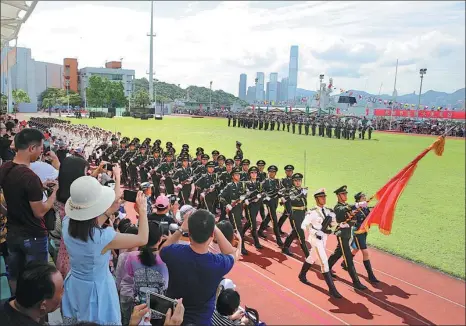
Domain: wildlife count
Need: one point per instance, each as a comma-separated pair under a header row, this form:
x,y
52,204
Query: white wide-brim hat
x,y
88,199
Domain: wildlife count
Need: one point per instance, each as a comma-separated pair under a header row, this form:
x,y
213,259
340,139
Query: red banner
x,y
457,115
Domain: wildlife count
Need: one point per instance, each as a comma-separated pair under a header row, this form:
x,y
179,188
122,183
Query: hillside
x,y
171,92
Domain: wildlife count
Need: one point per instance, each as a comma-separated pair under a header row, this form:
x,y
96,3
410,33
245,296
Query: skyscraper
x,y
260,96
293,73
251,94
273,95
284,89
267,90
242,86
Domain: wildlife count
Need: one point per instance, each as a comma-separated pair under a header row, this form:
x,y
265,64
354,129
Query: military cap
x,y
253,169
155,150
341,190
272,168
237,158
238,143
358,196
168,154
235,171
297,176
123,141
171,150
245,162
145,185
204,157
199,149
221,157
158,141
169,144
132,143
289,167
210,164
199,153
260,163
229,161
215,152
320,193
184,158
114,139
143,147
185,146
137,140
147,139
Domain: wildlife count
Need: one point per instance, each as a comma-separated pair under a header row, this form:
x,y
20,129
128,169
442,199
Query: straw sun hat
x,y
88,199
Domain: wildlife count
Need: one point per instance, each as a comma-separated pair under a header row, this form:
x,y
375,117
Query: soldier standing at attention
x,y
252,205
300,126
343,233
234,120
318,222
239,152
298,203
359,240
271,186
288,122
313,126
229,119
278,123
272,123
306,126
293,125
230,196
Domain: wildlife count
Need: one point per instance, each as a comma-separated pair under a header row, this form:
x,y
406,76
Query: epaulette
x,y
313,209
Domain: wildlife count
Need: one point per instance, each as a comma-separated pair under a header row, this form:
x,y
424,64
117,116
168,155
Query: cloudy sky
x,y
356,43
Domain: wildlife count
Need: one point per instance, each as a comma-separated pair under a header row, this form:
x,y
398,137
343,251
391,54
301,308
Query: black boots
x,y
370,273
331,286
354,276
302,274
343,264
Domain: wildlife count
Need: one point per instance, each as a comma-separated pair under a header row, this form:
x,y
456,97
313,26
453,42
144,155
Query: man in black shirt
x,y
39,292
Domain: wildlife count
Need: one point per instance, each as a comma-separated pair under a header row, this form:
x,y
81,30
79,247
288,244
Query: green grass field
x,y
429,225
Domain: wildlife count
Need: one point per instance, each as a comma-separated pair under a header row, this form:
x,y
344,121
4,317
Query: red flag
x,y
367,111
338,110
252,108
290,108
384,211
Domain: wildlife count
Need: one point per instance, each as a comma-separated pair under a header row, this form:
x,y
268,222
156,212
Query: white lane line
x,y
291,291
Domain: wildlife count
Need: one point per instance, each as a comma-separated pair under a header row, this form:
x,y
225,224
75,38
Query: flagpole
x,y
394,95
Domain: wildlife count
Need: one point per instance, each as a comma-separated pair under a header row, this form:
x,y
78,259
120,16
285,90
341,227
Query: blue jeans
x,y
24,250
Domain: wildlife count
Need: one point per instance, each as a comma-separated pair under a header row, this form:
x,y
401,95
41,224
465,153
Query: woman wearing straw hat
x,y
90,290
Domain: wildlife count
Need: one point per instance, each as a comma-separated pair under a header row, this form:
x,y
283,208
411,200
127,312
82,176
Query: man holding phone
x,y
199,286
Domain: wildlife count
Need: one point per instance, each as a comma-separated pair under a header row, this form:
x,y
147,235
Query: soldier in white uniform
x,y
318,222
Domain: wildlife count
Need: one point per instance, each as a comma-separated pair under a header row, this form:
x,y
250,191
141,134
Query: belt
x,y
298,208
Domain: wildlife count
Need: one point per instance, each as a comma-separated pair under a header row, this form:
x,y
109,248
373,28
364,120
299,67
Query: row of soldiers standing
x,y
323,126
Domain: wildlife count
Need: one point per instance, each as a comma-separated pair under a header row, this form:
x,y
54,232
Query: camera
x,y
173,199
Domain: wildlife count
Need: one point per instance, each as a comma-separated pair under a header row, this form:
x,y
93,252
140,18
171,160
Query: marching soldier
x,y
285,185
165,171
253,204
225,178
131,168
318,222
359,240
201,169
220,164
198,160
215,154
271,187
237,161
343,233
261,176
298,201
232,197
245,172
207,186
183,180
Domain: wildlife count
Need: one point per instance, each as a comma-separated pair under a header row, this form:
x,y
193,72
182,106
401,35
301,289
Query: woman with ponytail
x,y
146,270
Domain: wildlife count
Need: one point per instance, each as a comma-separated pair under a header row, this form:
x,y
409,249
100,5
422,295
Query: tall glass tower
x,y
242,86
293,73
260,94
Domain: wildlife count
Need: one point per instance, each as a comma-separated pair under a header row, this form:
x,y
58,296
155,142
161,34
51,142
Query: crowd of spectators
x,y
424,126
68,243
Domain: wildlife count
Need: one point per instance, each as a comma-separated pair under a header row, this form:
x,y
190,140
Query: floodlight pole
x,y
151,53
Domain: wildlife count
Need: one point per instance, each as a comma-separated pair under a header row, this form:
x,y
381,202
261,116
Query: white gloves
x,y
304,192
259,196
267,198
229,207
202,195
246,202
361,204
283,200
242,197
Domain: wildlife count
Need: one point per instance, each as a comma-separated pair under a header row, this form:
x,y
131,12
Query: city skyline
x,y
343,47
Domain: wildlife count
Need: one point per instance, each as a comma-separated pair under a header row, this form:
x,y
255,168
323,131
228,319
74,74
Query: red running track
x,y
410,294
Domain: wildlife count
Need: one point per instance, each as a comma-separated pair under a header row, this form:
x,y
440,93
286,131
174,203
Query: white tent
x,y
13,15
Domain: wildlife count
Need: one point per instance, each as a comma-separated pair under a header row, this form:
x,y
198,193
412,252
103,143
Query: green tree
x,y
141,98
20,96
115,93
49,102
52,92
96,92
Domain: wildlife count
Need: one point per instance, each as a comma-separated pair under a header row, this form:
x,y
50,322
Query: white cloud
x,y
201,41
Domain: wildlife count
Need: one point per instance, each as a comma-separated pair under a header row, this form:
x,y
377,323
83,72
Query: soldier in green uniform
x,y
253,186
215,154
343,233
220,164
232,196
298,201
261,176
207,186
285,185
183,180
306,126
201,169
245,172
132,170
140,159
313,127
271,186
198,160
225,178
165,171
293,125
300,126
239,152
237,161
